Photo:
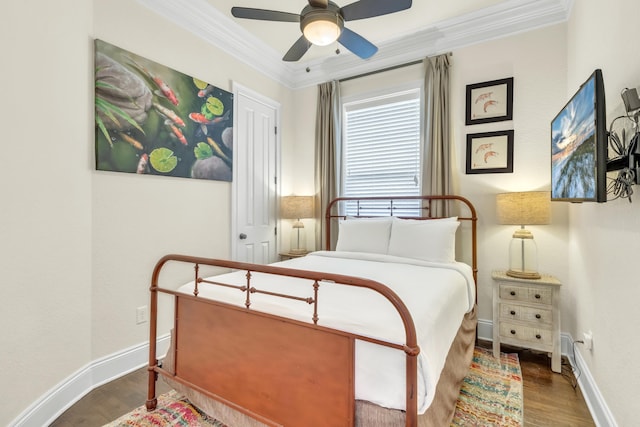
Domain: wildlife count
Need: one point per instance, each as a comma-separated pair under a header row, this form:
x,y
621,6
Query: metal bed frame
x,y
277,370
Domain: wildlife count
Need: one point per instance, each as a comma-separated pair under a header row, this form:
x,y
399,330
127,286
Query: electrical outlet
x,y
588,340
141,314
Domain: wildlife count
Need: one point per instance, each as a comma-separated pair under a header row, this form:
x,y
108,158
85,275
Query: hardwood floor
x,y
549,399
108,402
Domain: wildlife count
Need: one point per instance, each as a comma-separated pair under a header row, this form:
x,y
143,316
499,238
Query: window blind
x,y
382,152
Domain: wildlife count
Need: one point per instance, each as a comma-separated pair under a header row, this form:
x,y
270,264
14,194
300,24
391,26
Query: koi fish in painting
x,y
202,119
204,88
169,114
134,142
143,163
164,88
218,150
199,118
206,91
176,132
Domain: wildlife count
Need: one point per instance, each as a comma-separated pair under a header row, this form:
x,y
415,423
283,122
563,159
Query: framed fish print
x,y
490,101
490,152
151,119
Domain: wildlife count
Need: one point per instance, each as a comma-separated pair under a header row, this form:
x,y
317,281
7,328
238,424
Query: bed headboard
x,y
413,207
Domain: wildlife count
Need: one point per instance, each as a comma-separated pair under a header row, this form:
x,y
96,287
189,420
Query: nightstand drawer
x,y
532,315
524,293
525,333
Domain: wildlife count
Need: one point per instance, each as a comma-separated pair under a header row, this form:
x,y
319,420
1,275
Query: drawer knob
x,y
538,316
537,296
513,332
513,293
513,312
538,336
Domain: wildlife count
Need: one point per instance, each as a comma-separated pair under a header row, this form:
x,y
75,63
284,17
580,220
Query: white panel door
x,y
254,202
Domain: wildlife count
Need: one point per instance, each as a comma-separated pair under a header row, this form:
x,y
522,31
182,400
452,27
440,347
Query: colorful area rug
x,y
173,410
491,395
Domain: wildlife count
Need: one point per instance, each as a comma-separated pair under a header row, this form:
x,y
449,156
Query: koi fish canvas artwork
x,y
151,119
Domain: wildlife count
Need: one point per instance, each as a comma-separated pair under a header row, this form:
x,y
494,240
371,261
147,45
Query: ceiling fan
x,y
322,23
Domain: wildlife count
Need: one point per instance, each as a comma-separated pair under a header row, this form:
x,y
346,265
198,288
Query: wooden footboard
x,y
277,370
266,364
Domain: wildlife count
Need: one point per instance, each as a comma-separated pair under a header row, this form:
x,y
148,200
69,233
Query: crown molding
x,y
205,21
502,20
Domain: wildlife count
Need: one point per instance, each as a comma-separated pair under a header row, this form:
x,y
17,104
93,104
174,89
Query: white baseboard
x,y
485,330
57,400
600,412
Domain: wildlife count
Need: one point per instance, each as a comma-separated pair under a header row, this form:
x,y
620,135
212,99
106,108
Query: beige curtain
x,y
327,156
436,171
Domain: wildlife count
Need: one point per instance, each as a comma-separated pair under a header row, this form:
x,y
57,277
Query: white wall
x,y
605,238
537,62
79,245
298,162
45,207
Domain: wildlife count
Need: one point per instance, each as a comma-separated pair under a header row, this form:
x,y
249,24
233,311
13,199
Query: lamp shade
x,y
524,208
296,207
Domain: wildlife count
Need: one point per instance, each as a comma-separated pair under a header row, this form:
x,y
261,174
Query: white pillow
x,y
364,235
449,218
427,240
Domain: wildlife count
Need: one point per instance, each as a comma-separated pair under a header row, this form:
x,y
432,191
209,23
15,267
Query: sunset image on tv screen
x,y
573,147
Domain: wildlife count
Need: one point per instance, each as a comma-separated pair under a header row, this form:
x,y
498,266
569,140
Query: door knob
x,y
242,236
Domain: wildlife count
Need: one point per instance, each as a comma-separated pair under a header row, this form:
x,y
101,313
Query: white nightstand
x,y
288,255
526,313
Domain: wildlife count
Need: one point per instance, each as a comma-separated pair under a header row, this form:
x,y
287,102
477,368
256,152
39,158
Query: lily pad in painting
x,y
215,106
163,160
202,151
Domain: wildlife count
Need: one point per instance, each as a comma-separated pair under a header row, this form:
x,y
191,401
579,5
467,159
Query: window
x,y
382,151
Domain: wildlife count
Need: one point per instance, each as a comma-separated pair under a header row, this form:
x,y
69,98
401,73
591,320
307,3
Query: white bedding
x,y
437,295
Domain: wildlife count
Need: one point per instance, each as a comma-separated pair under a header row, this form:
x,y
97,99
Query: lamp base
x,y
298,239
523,274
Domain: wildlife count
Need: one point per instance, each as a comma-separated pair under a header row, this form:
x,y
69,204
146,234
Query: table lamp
x,y
523,208
297,208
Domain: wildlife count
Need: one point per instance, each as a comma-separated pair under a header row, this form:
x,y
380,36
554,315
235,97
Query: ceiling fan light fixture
x,y
322,23
323,28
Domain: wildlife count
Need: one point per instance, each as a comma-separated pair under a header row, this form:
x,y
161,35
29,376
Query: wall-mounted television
x,y
579,146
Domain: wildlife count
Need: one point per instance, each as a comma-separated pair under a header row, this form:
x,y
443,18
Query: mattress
x,y
438,295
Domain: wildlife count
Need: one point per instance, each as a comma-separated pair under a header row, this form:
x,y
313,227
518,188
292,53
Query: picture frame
x,y
490,101
153,120
490,152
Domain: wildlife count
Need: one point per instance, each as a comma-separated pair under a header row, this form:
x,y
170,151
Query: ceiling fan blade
x,y
299,48
357,44
264,15
319,3
369,8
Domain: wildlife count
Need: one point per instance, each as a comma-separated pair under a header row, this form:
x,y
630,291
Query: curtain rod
x,y
394,67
